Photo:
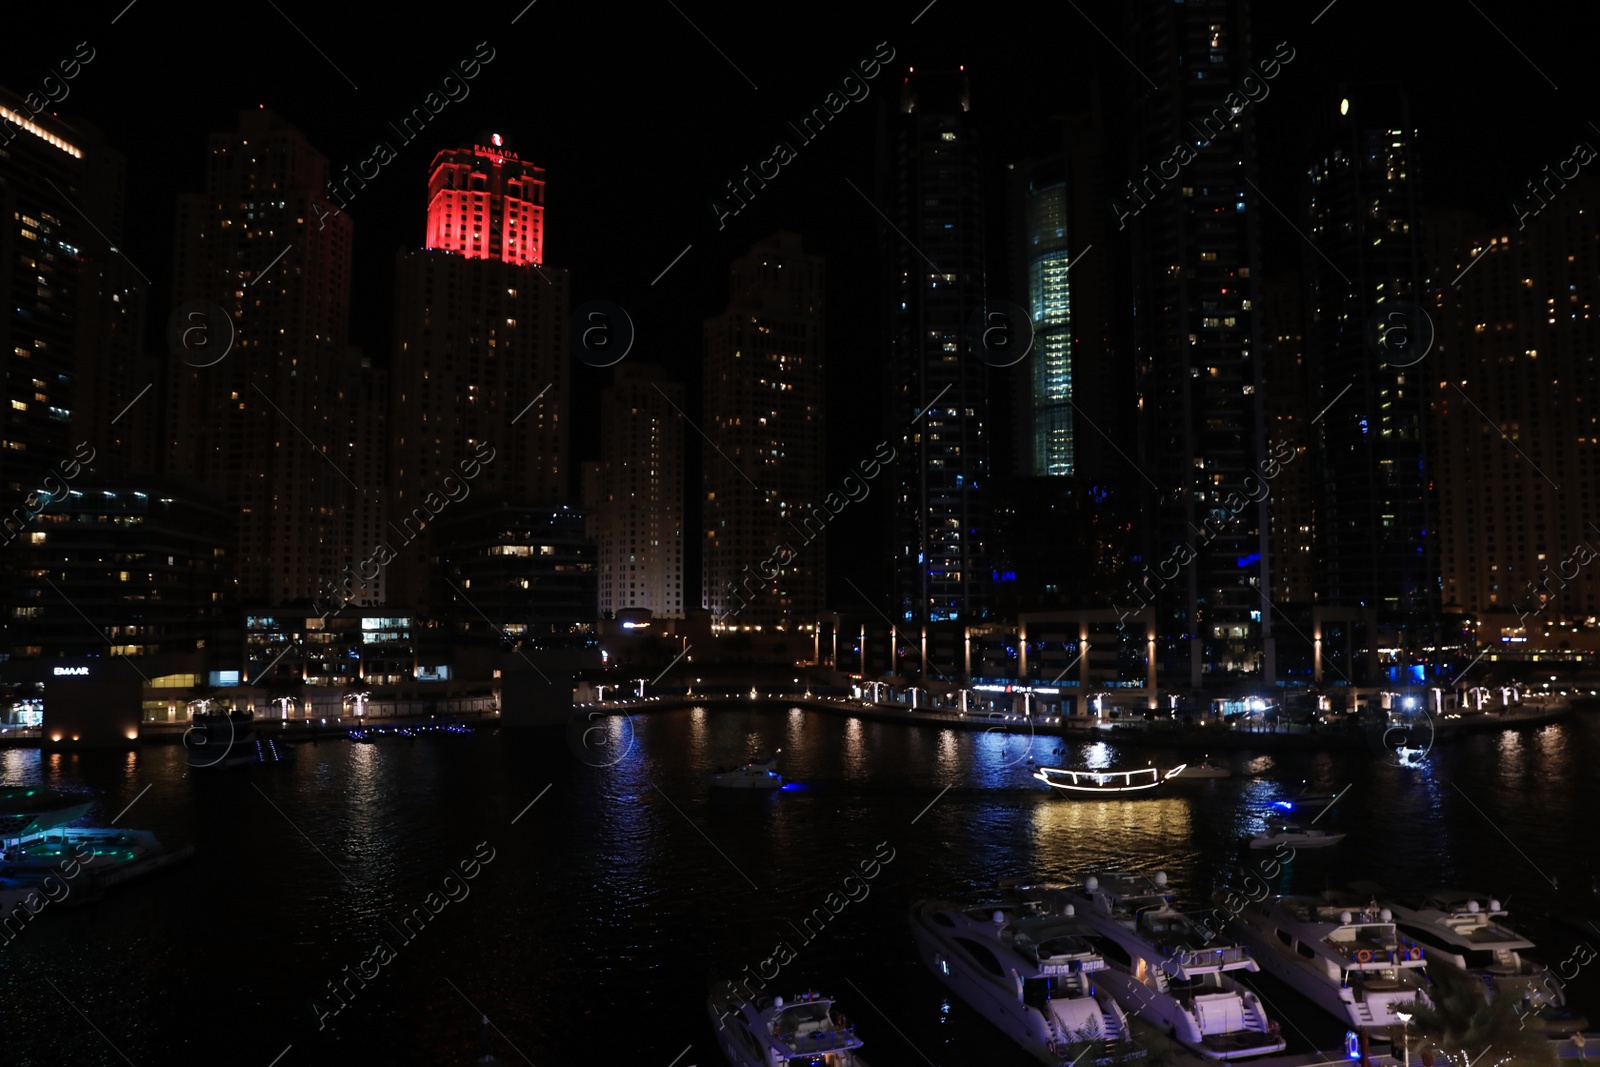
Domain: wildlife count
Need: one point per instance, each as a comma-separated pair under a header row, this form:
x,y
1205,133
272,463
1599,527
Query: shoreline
x,y
1141,732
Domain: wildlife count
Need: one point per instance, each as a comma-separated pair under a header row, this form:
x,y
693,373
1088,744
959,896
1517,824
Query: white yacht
x,y
756,774
1463,930
1167,971
1034,975
1279,832
1348,959
1206,768
1105,782
28,812
772,1032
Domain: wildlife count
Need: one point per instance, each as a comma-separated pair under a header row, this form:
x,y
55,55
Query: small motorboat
x,y
1206,768
756,774
1307,797
1288,833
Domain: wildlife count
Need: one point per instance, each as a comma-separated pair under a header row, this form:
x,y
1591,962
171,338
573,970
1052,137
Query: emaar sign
x,y
62,672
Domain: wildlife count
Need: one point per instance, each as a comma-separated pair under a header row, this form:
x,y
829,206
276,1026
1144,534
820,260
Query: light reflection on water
x,y
1075,837
617,895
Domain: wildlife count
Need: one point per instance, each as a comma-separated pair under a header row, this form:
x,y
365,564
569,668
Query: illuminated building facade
x,y
285,426
358,647
1049,365
1514,385
152,568
762,467
72,335
484,202
633,495
516,575
937,286
481,360
1196,249
1376,545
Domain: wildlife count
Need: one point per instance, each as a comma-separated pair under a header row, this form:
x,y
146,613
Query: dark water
x,y
590,935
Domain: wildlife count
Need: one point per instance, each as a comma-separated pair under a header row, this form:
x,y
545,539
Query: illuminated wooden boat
x,y
1105,782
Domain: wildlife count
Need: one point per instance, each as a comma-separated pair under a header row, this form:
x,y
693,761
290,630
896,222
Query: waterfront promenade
x,y
1206,736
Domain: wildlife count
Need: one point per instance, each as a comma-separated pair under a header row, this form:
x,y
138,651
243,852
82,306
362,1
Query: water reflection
x,y
948,759
20,766
1512,753
1075,836
1000,759
697,727
855,757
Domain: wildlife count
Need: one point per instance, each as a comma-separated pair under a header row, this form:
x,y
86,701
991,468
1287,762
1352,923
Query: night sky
x,y
639,120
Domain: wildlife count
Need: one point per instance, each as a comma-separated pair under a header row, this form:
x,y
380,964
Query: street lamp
x,y
1405,1036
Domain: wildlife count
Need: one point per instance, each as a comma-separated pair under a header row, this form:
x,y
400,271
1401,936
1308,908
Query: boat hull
x,y
1005,1013
1323,841
1375,1015
996,1002
1166,1015
1219,1020
718,781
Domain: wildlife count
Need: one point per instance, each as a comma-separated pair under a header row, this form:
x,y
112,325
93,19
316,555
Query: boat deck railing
x,y
1214,957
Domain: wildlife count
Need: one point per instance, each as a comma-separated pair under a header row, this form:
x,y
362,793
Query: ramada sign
x,y
497,153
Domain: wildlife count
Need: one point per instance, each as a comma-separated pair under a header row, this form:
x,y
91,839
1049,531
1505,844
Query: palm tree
x,y
1464,1027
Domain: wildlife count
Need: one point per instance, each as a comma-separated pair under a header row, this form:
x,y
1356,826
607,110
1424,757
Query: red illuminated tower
x,y
480,365
485,203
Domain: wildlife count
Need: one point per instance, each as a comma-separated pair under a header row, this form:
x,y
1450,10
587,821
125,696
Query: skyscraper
x,y
1289,413
762,471
73,410
1513,384
633,495
277,426
1061,522
1375,541
480,363
1192,212
939,387
73,329
1047,251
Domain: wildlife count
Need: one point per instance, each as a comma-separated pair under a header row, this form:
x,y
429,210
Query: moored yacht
x,y
1347,959
27,812
1169,970
770,1032
1032,974
1464,930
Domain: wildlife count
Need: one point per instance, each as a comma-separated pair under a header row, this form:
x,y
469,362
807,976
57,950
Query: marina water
x,y
592,932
